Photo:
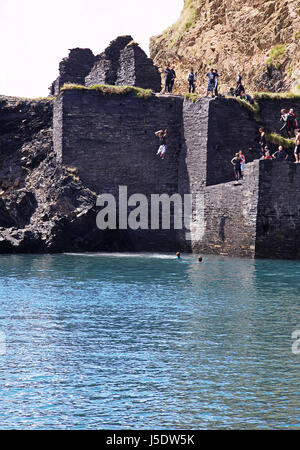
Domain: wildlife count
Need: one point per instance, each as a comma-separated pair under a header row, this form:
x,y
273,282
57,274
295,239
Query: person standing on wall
x,y
243,162
236,162
191,80
173,78
215,93
211,83
262,141
168,78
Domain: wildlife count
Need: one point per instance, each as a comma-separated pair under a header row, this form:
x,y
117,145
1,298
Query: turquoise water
x,y
148,342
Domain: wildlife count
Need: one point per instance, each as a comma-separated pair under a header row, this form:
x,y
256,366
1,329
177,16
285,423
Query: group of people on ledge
x,y
212,84
238,161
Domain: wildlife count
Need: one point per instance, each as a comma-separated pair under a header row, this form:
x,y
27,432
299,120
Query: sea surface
x,y
123,341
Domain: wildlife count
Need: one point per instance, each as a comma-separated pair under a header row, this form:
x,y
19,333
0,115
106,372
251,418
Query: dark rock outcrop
x,y
44,207
73,69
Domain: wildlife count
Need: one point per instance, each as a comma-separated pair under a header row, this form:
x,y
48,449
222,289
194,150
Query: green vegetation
x,y
275,95
297,35
276,139
254,109
193,97
187,20
72,172
277,53
106,89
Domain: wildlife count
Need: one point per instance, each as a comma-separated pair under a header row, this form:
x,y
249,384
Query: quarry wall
x,y
110,140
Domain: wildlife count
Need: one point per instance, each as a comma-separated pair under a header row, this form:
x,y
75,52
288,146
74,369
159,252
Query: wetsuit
x,y
168,80
237,167
191,80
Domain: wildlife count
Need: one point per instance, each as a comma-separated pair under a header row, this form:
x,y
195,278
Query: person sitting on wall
x,y
246,97
267,153
191,80
172,79
236,162
297,147
162,136
280,154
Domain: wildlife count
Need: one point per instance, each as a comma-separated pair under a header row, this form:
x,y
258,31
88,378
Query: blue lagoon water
x,y
148,342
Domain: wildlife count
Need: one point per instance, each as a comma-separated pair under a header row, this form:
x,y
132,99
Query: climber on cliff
x,y
168,79
191,80
162,136
236,162
173,73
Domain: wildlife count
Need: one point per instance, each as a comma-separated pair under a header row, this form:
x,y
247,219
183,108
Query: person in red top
x,y
267,154
243,162
292,113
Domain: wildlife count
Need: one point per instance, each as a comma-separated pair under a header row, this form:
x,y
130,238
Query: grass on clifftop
x,y
106,89
255,109
193,97
276,95
276,139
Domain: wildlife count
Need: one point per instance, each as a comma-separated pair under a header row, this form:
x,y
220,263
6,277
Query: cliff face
x,y
258,38
44,207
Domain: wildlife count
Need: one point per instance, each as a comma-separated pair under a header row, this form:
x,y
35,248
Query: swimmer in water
x,y
199,258
178,255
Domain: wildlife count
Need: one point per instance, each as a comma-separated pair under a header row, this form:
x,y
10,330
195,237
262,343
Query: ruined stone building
x,y
122,63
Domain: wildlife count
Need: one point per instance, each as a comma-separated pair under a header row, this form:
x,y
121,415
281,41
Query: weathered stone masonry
x,y
110,139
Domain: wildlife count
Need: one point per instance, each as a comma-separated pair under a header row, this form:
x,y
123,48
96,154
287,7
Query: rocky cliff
x,y
44,207
258,38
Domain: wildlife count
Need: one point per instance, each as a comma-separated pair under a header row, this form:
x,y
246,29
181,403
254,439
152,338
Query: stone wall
x,y
230,128
226,217
136,69
105,69
278,211
73,69
270,112
111,141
